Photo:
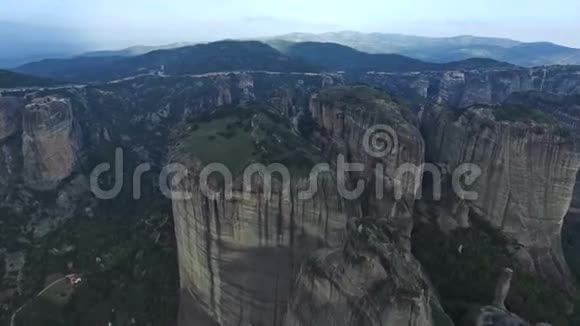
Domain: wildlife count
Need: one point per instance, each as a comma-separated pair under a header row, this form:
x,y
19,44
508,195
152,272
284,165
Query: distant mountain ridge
x,y
335,57
219,56
225,56
9,79
444,49
134,50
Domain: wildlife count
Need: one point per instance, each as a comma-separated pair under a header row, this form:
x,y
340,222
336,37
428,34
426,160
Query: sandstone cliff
x,y
527,181
10,109
239,257
345,116
371,281
50,142
464,88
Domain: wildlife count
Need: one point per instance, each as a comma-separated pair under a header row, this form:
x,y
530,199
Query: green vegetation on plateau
x,y
366,102
521,113
239,136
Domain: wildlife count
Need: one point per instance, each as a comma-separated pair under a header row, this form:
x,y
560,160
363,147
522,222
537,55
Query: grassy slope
x,y
239,136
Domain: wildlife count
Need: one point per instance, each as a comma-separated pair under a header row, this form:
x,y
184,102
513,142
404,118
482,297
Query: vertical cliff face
x,y
464,88
527,181
371,281
10,109
345,117
50,142
240,257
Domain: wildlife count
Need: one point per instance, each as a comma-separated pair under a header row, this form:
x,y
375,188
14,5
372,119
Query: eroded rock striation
x,y
464,88
240,256
10,110
528,171
50,142
371,281
367,127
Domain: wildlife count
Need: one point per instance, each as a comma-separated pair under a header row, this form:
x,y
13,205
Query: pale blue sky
x,y
107,23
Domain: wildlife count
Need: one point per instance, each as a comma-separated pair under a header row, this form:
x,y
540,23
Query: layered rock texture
x,y
367,127
528,171
240,256
10,109
464,88
50,142
371,281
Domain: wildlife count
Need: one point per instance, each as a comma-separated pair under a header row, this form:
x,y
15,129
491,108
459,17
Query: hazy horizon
x,y
112,24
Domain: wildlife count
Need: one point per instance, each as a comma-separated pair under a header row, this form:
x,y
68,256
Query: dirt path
x,y
13,318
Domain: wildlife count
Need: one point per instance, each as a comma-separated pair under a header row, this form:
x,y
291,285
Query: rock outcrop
x,y
239,257
51,142
370,282
528,171
367,127
464,88
10,110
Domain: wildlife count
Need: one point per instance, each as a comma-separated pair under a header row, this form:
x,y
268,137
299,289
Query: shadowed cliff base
x,y
190,313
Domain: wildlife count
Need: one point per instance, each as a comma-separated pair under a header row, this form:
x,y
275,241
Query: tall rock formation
x,y
464,88
239,257
528,171
10,109
368,127
50,142
370,282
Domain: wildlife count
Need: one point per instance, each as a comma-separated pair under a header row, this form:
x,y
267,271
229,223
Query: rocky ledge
x,y
528,170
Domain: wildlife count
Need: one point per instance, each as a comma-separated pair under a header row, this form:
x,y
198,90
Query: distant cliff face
x,y
51,142
10,109
464,88
527,181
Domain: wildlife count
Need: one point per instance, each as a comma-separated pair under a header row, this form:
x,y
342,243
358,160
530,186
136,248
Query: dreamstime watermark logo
x,y
380,144
380,141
